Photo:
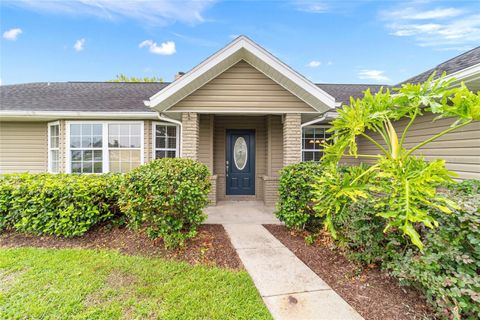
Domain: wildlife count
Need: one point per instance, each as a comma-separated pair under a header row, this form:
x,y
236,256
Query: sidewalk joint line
x,y
299,292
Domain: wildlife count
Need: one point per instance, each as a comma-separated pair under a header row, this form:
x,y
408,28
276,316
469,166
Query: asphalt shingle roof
x,y
455,64
129,97
78,96
343,92
115,96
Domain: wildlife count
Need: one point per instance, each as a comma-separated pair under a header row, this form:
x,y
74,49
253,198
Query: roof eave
x,y
242,48
55,115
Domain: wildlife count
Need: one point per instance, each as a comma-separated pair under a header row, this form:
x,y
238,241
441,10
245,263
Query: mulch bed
x,y
373,293
211,247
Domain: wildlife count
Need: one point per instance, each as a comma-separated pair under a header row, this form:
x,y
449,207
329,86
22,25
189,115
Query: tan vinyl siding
x,y
206,140
275,145
460,149
23,147
242,88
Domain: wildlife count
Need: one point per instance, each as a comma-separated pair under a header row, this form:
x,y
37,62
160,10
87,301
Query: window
x,y
124,145
86,148
98,147
165,140
312,139
53,147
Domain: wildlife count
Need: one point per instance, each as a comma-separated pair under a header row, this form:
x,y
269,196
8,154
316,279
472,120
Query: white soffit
x,y
242,48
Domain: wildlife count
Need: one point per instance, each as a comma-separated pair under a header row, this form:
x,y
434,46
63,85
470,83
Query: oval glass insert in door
x,y
240,152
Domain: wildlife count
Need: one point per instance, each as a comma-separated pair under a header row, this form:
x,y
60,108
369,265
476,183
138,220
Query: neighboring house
x,y
242,112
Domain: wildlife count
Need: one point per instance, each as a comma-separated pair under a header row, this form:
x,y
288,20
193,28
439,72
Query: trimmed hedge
x,y
295,205
167,196
57,204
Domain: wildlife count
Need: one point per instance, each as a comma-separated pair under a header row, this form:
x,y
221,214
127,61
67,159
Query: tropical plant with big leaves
x,y
402,184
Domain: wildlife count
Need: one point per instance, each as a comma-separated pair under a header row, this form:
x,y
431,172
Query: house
x,y
242,112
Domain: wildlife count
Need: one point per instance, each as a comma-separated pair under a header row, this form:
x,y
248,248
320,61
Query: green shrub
x,y
294,207
167,196
447,270
57,204
360,231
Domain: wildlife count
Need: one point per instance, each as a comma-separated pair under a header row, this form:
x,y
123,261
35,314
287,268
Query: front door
x,y
240,162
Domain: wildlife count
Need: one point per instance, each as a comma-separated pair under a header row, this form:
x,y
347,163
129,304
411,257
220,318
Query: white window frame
x,y
154,139
49,146
105,148
302,150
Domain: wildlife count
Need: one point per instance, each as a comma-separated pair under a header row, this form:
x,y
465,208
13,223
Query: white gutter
x,y
465,73
326,116
167,119
77,115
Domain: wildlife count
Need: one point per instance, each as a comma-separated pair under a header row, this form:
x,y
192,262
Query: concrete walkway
x,y
235,212
288,287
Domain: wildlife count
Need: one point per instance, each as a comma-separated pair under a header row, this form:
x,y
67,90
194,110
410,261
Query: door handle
x,y
226,167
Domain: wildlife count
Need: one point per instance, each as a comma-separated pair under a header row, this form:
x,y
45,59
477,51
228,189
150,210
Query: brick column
x,y
292,138
190,135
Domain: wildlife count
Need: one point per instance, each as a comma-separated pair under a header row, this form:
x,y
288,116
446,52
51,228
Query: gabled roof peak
x,y
242,48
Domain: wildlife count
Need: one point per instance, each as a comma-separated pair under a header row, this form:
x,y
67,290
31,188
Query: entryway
x,y
240,162
240,212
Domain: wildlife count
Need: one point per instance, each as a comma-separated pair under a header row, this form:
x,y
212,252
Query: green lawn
x,y
88,284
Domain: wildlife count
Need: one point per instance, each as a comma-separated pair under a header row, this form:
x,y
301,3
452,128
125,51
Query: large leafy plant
x,y
402,184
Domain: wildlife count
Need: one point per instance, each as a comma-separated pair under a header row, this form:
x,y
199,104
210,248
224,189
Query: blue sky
x,y
327,41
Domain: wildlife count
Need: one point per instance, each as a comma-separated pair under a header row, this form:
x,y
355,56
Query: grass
x,y
88,284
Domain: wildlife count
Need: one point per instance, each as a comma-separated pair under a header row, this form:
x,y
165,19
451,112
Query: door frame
x,y
228,146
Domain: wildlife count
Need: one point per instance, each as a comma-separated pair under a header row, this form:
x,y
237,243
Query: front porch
x,y
276,143
241,212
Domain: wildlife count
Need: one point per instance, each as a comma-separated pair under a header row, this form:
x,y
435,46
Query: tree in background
x,y
123,78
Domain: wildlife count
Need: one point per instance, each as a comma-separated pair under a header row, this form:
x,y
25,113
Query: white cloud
x,y
156,13
439,28
165,48
12,34
79,45
311,6
329,63
411,13
371,74
314,64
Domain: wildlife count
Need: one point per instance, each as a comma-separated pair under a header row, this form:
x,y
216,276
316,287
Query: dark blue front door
x,y
240,162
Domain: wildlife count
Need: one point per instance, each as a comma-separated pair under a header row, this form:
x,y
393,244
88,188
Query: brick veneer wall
x,y
270,190
212,196
292,138
190,135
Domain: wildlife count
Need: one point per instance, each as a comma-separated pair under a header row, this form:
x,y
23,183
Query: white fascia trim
x,y
241,42
326,116
291,74
80,115
261,111
465,73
